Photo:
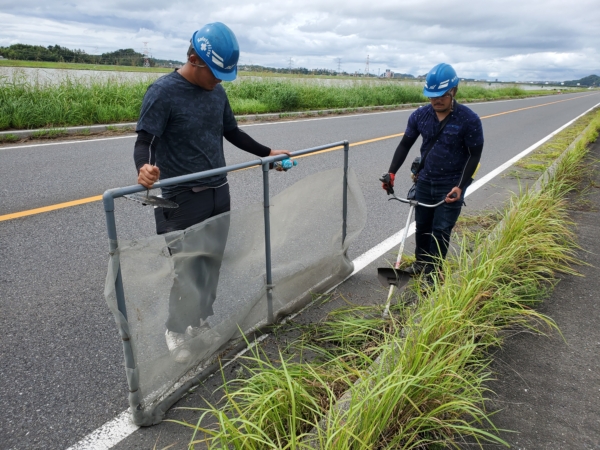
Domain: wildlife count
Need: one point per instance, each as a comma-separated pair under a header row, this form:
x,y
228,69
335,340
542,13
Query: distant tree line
x,y
293,70
56,53
590,80
305,71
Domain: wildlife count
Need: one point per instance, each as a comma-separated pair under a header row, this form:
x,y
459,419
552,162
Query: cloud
x,y
507,39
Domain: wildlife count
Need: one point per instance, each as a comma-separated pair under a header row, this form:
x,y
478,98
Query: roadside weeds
x,y
428,388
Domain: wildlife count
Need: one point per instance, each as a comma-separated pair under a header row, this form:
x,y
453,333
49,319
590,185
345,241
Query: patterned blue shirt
x,y
447,160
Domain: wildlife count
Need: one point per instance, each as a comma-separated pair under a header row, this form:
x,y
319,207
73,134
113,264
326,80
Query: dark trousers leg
x,y
196,277
434,225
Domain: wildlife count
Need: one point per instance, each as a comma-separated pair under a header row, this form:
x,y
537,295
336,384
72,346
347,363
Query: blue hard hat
x,y
440,80
216,44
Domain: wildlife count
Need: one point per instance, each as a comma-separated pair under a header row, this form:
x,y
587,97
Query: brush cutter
x,y
394,277
152,200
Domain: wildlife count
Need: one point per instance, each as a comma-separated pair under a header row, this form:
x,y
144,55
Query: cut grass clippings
x,y
417,380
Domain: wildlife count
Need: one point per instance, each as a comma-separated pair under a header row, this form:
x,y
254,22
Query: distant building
x,y
389,73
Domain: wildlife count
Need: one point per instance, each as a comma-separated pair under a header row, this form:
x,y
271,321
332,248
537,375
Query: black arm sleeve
x,y
401,151
144,150
241,140
471,166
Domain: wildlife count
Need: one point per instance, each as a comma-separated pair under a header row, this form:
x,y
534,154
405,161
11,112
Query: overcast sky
x,y
510,40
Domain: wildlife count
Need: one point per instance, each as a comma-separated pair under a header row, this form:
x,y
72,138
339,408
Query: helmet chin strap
x,y
452,95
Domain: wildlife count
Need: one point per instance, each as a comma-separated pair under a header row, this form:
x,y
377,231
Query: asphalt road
x,y
61,373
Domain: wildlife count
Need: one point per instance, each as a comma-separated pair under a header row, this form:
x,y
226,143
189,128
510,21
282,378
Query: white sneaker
x,y
193,332
177,343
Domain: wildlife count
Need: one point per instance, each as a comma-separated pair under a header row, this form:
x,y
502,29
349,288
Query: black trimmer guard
x,y
388,276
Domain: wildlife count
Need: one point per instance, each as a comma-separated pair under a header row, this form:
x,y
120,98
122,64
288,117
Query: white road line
x,y
113,432
108,435
47,144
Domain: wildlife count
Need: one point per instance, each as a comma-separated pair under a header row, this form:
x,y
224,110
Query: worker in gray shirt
x,y
183,120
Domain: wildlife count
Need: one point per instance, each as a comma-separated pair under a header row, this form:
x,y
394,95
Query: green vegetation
x,y
56,53
418,379
6,138
51,133
27,105
481,93
590,80
252,96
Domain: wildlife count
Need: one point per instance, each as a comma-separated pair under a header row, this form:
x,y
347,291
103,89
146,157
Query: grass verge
x,y
416,380
28,105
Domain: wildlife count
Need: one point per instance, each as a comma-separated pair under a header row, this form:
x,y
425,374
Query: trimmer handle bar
x,y
415,202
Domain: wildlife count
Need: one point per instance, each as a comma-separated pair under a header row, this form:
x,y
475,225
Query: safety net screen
x,y
192,294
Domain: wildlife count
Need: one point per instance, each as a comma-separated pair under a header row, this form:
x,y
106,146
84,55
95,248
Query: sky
x,y
509,40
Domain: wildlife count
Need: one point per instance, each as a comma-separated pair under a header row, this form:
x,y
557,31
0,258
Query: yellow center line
x,y
535,106
97,198
31,212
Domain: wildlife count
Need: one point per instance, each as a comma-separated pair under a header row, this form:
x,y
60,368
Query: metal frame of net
x,y
250,268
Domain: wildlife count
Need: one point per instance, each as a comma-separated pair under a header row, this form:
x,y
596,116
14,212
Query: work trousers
x,y
194,287
434,225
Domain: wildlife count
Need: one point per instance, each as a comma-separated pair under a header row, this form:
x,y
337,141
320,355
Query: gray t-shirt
x,y
190,122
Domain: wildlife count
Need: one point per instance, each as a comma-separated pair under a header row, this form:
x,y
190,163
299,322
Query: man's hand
x,y
388,182
149,175
279,152
454,195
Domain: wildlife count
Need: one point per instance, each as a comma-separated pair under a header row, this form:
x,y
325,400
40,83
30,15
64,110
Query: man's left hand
x,y
454,195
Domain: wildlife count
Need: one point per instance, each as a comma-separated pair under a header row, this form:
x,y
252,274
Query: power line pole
x,y
339,60
290,66
146,61
367,67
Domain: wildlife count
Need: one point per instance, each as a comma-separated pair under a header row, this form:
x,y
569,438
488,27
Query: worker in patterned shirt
x,y
450,153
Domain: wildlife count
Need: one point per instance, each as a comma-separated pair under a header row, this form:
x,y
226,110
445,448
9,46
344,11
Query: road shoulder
x,y
548,388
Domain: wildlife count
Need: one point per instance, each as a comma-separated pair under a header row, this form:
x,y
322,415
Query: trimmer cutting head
x,y
151,200
388,276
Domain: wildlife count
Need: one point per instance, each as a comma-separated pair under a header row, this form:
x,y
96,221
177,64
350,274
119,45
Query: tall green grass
x,y
418,379
252,96
26,105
